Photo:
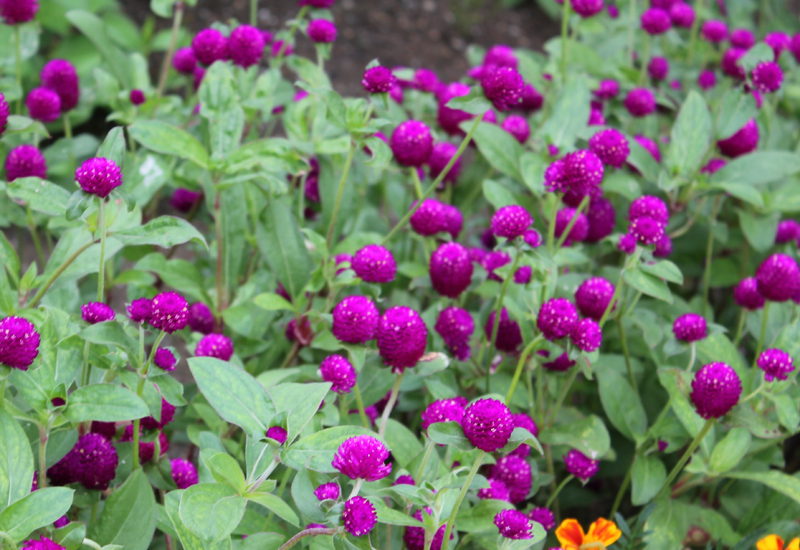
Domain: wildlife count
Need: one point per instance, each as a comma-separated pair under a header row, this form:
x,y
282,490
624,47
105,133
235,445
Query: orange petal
x,y
604,531
770,542
794,545
570,534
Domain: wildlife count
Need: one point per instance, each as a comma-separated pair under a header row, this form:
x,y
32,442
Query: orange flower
x,y
774,542
602,534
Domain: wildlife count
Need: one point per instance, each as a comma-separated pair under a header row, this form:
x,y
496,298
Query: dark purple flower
x,y
543,517
580,172
775,363
441,154
730,63
513,524
715,390
278,434
778,41
60,76
515,472
561,363
167,414
690,327
169,312
503,87
646,230
184,474
532,238
375,264
767,77
450,269
523,275
663,247
707,79
411,143
43,104
658,68
587,336
509,337
742,142
362,457
456,326
99,176
608,89
245,46
146,449
580,229
511,221
788,231
557,319
651,207
200,318
322,31
531,100
580,465
94,460
453,220
428,219
778,278
106,429
518,127
713,165
746,294
487,424
183,199
640,102
497,490
210,45
378,80
402,337
215,345
281,48
164,359
682,15
328,491
339,372
627,243
587,8
425,80
139,310
24,161
450,119
655,21
403,480
715,31
19,343
63,521
15,12
359,516
184,61
742,38
3,113
137,97
602,219
355,320
443,410
611,146
97,312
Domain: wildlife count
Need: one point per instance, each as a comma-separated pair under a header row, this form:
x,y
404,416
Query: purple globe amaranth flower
x,y
414,537
359,516
511,221
281,48
167,415
184,474
97,312
778,41
362,457
602,219
596,117
613,11
99,176
139,310
378,80
146,449
210,45
515,472
503,87
580,465
767,77
43,104
730,63
579,229
543,517
15,12
775,363
60,76
580,173
690,327
137,97
509,336
278,434
500,55
197,79
487,424
778,278
443,410
646,230
562,363
42,543
106,429
663,247
402,337
94,460
742,142
450,269
339,372
183,199
322,31
428,219
456,326
532,238
375,264
746,294
518,127
355,320
215,345
184,61
742,38
656,21
441,154
513,524
403,480
328,491
587,8
450,119
24,161
557,319
650,207
714,31
713,165
788,231
19,342
587,336
706,79
523,275
340,259
715,390
650,146
425,80
63,521
169,312
627,243
611,146
453,220
640,102
200,318
658,68
411,143
497,490
245,46
608,89
682,15
164,359
3,113
531,100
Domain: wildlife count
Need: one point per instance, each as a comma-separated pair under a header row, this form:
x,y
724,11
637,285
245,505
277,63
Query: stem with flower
x,y
140,391
565,234
535,343
686,456
101,272
558,490
390,405
464,488
490,345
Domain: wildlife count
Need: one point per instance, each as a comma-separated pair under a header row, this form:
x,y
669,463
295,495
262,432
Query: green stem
x,y
564,39
91,544
18,58
8,539
563,394
177,17
68,137
44,435
315,532
709,252
645,60
3,393
632,261
37,243
761,336
622,489
339,192
497,311
565,234
558,490
57,273
692,357
87,369
551,228
429,445
685,458
632,25
221,286
360,404
137,423
628,364
253,12
698,8
356,488
387,410
740,328
101,273
522,360
474,470
436,182
417,183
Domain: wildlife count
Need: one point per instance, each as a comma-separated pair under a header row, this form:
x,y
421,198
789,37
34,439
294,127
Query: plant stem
x,y
18,58
390,405
101,273
339,192
551,228
139,392
564,39
57,273
221,286
497,311
645,60
356,488
8,539
436,182
709,253
692,357
624,342
417,183
68,137
558,490
686,456
629,262
315,532
622,489
564,391
522,360
87,369
428,451
360,405
253,12
35,236
761,336
177,17
740,328
698,8
474,470
565,234
44,435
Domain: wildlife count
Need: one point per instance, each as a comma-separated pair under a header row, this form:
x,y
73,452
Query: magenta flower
x,y
579,230
425,80
503,87
778,41
378,80
531,100
746,294
742,38
184,474
99,176
767,77
414,537
611,146
402,337
655,21
443,410
355,320
137,97
375,264
450,119
522,420
3,113
715,390
411,143
515,472
97,312
682,15
646,230
658,68
513,524
428,219
339,372
497,490
24,161
441,154
210,45
19,342
557,319
690,327
587,8
706,79
184,61
164,359
650,207
403,480
587,336
106,429
328,491
359,516
453,220
43,104
146,449
730,63
92,462
627,243
608,89
60,76
42,543
245,46
500,55
487,424
788,231
362,457
456,326
562,363
15,12
778,278
714,31
139,310
602,219
278,434
640,102
650,146
450,269
775,363
518,127
169,312
322,31
543,517
509,337
183,199
663,247
167,414
511,221
580,465
200,318
215,345
281,48
593,297
742,142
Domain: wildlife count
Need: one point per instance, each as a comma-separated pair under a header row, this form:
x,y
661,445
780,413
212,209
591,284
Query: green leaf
x,y
316,451
113,147
189,540
431,363
742,191
786,407
775,480
225,469
41,195
95,30
169,140
77,204
735,110
758,168
647,478
759,229
691,136
219,105
621,403
211,510
664,269
37,509
303,494
480,518
717,347
235,394
498,194
164,231
129,515
499,148
113,335
521,436
282,245
570,114
392,517
588,435
104,403
16,461
642,160
300,401
272,302
70,536
405,445
18,124
449,433
729,452
474,103
648,284
757,54
274,504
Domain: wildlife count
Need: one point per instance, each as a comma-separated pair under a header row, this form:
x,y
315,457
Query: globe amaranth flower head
x,y
378,80
531,100
167,415
646,230
455,326
147,449
511,221
375,264
184,61
579,229
767,77
557,319
513,524
450,269
593,296
246,46
448,118
24,161
656,21
355,320
441,154
518,127
500,55
714,31
402,337
778,278
183,199
730,63
562,363
277,433
428,219
611,146
322,31
580,172
658,68
339,372
425,80
690,327
608,89
650,207
503,87
602,219
522,420
60,76
3,113
742,142
411,143
788,231
92,462
715,390
746,294
362,457
496,490
543,517
587,8
106,429
580,465
442,410
453,220
19,342
139,310
97,312
43,104
15,12
515,472
137,97
200,318
627,243
169,312
328,491
487,424
184,474
164,359
99,176
640,102
359,516
775,363
707,79
42,543
215,345
509,336
778,41
587,336
742,38
210,45
682,15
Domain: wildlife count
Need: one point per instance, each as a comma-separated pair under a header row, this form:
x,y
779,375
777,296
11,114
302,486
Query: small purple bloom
x,y
164,359
99,176
587,336
97,312
450,269
215,345
322,31
580,465
640,102
509,336
746,294
355,320
515,472
503,87
682,15
488,424
169,312
362,457
775,363
611,146
184,61
767,77
543,517
715,390
411,143
359,516
714,31
513,524
43,104
15,12
210,45
60,76
278,434
184,474
443,410
375,264
200,318
137,97
378,80
19,342
778,278
557,319
24,161
456,326
402,337
328,491
656,21
339,372
690,327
